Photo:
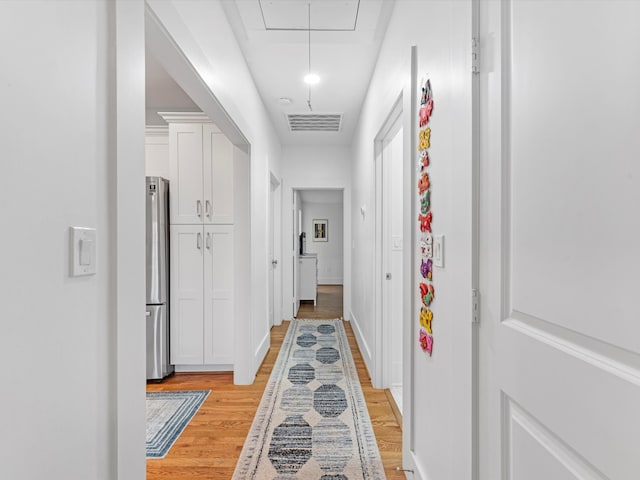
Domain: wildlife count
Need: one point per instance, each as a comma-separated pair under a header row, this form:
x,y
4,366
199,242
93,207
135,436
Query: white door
x,y
217,175
218,295
559,240
185,165
272,259
392,228
187,250
273,266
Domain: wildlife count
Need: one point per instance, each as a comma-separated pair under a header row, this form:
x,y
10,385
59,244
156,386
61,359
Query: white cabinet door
x,y
218,295
187,246
185,157
218,176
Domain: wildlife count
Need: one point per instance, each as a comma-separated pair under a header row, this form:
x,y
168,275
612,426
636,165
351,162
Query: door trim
x,y
475,245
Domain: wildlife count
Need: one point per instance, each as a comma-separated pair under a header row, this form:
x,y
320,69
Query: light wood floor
x,y
328,304
210,445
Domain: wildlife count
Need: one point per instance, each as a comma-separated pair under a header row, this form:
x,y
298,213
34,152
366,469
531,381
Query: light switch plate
x,y
396,243
438,250
83,251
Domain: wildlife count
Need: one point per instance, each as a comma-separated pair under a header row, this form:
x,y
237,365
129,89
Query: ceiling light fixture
x,y
310,78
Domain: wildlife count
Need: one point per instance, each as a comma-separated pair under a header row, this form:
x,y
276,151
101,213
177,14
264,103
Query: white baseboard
x,y
362,343
330,280
416,466
261,352
203,368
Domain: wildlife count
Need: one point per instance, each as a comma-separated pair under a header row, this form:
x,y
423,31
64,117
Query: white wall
x,y
71,409
437,439
202,33
330,253
309,167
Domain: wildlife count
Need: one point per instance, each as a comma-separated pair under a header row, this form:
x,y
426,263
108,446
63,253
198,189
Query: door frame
x,y
126,209
475,249
382,357
290,228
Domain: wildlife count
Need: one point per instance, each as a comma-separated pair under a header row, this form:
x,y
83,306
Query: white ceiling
x,y
345,40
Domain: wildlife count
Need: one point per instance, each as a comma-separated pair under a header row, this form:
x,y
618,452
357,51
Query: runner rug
x,y
168,413
312,422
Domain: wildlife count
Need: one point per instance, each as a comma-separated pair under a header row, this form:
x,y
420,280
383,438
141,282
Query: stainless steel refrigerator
x,y
157,232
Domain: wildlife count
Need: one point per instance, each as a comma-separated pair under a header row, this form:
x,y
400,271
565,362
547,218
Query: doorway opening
x,y
389,253
214,224
275,251
319,253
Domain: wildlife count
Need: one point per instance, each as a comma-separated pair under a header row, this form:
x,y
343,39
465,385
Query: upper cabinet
x,y
156,151
201,172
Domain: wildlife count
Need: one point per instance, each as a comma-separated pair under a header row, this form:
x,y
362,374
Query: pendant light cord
x,y
309,30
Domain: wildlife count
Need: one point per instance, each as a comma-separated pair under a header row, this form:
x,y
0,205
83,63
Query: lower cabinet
x,y
202,326
309,277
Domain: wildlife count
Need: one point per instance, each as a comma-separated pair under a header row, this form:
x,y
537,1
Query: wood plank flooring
x,y
210,445
328,304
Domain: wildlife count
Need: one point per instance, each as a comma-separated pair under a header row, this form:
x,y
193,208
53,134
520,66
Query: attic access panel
x,y
326,15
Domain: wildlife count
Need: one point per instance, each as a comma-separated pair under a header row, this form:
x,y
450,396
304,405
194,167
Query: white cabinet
x,y
309,277
202,295
202,258
218,175
186,294
156,151
218,295
201,174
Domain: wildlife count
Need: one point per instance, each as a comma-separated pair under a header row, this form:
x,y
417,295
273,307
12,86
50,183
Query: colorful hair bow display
x,y
425,219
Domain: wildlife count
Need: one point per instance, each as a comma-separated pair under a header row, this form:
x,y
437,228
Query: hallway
x,y
521,339
210,445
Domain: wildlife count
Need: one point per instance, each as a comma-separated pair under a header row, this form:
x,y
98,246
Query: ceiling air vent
x,y
314,122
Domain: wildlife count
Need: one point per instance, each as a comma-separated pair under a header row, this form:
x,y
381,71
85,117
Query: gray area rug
x,y
168,413
312,422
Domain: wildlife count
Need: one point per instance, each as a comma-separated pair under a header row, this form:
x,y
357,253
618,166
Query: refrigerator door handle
x,y
207,208
208,241
199,241
199,208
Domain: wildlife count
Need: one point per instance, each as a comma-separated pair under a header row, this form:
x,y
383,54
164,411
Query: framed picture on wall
x,y
320,232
